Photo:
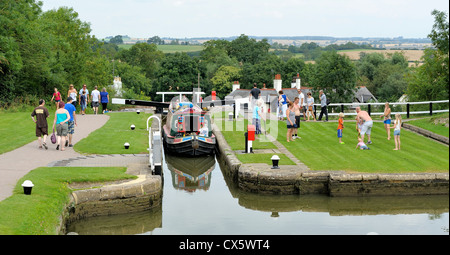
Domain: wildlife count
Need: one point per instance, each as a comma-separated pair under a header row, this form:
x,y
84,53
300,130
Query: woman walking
x,y
62,116
104,98
72,92
57,97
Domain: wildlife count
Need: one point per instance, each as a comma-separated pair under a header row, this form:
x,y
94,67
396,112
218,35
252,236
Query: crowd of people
x,y
291,112
65,119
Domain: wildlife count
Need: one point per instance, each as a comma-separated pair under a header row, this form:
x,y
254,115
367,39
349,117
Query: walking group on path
x,y
65,119
291,112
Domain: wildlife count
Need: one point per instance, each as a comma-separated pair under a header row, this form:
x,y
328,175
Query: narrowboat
x,y
191,173
188,130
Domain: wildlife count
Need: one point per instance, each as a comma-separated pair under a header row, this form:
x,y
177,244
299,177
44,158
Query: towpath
x,y
17,163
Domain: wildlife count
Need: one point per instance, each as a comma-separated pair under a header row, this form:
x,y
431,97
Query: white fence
x,y
352,106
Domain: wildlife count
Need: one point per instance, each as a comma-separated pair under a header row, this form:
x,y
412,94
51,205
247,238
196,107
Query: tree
x,y
430,80
248,50
224,78
116,39
146,56
336,76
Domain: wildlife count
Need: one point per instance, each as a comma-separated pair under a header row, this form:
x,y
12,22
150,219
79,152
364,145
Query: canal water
x,y
198,200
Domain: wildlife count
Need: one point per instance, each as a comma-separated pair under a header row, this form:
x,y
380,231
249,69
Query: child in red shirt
x,y
340,127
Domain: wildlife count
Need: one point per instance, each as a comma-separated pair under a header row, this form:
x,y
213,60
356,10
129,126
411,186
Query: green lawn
x,y
39,213
18,129
110,138
428,124
319,150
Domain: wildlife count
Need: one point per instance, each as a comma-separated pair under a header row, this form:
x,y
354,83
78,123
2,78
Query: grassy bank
x,y
319,150
38,213
434,124
110,138
17,129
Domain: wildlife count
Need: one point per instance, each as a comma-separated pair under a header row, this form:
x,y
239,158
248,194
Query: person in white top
x,y
397,127
95,99
302,103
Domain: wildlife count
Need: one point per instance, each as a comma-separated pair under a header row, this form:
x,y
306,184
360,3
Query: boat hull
x,y
189,145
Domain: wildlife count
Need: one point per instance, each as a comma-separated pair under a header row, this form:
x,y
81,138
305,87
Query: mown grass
x,y
110,138
18,129
428,124
319,150
39,213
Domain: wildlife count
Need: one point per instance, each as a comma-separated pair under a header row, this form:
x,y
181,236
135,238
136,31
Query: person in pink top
x,y
57,97
362,145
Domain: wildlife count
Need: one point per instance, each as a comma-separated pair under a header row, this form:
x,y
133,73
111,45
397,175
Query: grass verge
x,y
110,138
38,213
430,125
319,150
263,158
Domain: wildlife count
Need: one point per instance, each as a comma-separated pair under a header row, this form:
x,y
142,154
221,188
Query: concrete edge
x,y
261,179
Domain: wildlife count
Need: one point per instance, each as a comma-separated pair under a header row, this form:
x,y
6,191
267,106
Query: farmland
x,y
411,55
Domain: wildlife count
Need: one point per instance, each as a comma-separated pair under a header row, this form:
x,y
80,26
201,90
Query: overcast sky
x,y
224,18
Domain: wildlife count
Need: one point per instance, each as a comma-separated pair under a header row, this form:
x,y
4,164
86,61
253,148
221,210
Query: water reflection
x,y
190,173
232,211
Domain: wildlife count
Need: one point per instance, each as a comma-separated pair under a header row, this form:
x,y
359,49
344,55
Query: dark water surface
x,y
198,200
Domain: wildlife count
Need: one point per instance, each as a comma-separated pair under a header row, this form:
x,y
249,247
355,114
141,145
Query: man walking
x,y
367,123
323,105
72,122
41,113
95,96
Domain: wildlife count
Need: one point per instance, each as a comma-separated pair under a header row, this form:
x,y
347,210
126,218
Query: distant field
x,y
171,48
411,55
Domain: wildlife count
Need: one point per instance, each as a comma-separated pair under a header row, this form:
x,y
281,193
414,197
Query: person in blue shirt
x,y
256,117
72,122
104,99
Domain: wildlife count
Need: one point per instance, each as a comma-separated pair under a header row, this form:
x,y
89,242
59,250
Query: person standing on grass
x,y
397,127
71,123
323,105
254,95
387,119
95,99
41,113
297,118
310,105
283,102
62,116
104,100
340,127
302,103
367,123
57,97
290,121
256,117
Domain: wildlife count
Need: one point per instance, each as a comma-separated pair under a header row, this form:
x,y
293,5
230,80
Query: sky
x,y
225,18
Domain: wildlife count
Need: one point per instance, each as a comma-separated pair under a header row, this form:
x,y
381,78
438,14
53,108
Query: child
x,y
340,127
358,127
362,145
397,127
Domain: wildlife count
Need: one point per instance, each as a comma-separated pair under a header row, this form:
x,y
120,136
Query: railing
x,y
407,111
